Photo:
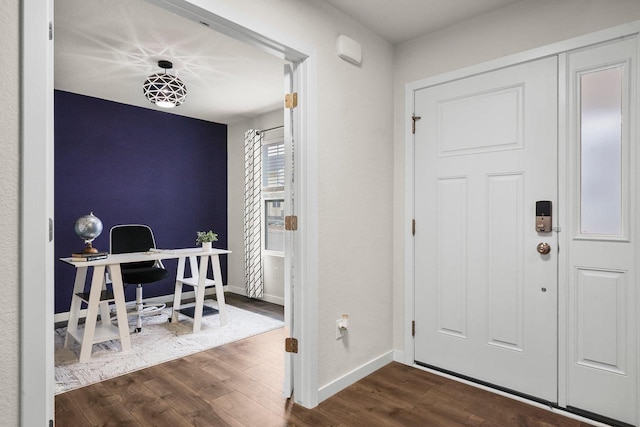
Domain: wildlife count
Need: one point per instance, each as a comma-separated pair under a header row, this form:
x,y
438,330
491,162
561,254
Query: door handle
x,y
543,248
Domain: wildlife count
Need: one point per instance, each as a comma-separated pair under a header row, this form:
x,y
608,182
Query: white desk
x,y
98,298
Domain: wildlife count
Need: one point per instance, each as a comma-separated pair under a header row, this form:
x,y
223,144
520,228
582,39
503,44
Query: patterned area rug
x,y
159,341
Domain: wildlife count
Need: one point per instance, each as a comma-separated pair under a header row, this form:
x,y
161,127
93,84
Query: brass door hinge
x,y
291,100
291,223
291,345
414,119
413,328
413,227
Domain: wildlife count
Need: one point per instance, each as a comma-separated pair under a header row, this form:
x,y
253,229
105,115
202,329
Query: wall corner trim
x,y
398,356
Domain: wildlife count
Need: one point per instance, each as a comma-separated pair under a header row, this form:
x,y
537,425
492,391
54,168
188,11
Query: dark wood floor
x,y
257,306
239,384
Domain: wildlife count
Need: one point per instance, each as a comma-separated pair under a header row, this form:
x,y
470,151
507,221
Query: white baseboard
x,y
273,299
237,290
398,356
356,375
268,298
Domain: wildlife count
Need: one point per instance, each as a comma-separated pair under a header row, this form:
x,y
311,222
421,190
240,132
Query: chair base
x,y
140,310
150,309
146,310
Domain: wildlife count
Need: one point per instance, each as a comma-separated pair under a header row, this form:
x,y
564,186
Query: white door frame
x,y
410,88
36,307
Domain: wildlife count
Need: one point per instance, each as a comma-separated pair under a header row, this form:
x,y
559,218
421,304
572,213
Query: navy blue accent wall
x,y
134,165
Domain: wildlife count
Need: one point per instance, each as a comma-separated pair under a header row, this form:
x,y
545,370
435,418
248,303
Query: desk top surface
x,y
152,255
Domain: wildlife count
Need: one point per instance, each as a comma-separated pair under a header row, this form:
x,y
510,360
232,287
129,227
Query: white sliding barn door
x,y
485,299
602,328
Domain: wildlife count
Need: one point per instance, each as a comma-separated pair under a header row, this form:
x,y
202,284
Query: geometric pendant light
x,y
163,89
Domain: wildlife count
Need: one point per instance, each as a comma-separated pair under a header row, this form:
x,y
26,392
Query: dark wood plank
x,y
264,308
193,376
68,413
217,370
268,395
100,407
173,389
246,411
160,414
235,353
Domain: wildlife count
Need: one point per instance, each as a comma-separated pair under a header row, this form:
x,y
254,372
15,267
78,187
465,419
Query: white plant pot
x,y
206,246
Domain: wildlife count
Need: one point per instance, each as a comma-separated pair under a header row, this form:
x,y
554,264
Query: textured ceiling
x,y
107,49
401,20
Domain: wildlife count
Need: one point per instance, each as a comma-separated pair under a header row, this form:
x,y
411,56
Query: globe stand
x,y
89,249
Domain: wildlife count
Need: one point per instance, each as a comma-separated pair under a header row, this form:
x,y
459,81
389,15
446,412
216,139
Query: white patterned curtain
x,y
252,217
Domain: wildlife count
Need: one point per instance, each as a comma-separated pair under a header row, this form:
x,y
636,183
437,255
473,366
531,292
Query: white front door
x,y
485,298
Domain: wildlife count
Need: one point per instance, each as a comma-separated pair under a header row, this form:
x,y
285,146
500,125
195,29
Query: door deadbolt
x,y
543,248
543,216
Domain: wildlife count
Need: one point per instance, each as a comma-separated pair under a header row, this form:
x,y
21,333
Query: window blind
x,y
273,166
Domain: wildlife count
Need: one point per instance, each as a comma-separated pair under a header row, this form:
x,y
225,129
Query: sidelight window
x,y
601,167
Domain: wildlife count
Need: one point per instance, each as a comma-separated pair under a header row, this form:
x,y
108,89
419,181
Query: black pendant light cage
x,y
165,90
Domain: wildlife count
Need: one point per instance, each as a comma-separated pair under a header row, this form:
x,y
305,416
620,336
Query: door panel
x,y
452,256
485,299
495,114
601,319
504,276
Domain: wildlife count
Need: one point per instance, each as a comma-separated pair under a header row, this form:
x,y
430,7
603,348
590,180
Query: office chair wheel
x,y
138,330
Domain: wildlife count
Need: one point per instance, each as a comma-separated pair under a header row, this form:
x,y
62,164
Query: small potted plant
x,y
205,238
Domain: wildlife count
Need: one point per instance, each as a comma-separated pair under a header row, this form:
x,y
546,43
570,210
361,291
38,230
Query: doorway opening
x,y
36,385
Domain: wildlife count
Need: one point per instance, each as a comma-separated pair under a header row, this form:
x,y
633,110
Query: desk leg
x,y
92,313
76,303
121,309
105,314
200,290
217,277
177,293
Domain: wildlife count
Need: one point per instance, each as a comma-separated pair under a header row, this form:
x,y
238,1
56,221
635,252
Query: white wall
x,y
355,178
9,212
522,26
273,286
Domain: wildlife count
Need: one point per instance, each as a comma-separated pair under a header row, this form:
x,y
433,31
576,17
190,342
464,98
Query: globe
x,y
88,227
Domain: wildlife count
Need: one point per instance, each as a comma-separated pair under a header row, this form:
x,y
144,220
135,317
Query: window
x,y
274,225
273,177
273,167
601,152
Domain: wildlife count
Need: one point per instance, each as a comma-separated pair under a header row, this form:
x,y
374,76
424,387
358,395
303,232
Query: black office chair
x,y
137,238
